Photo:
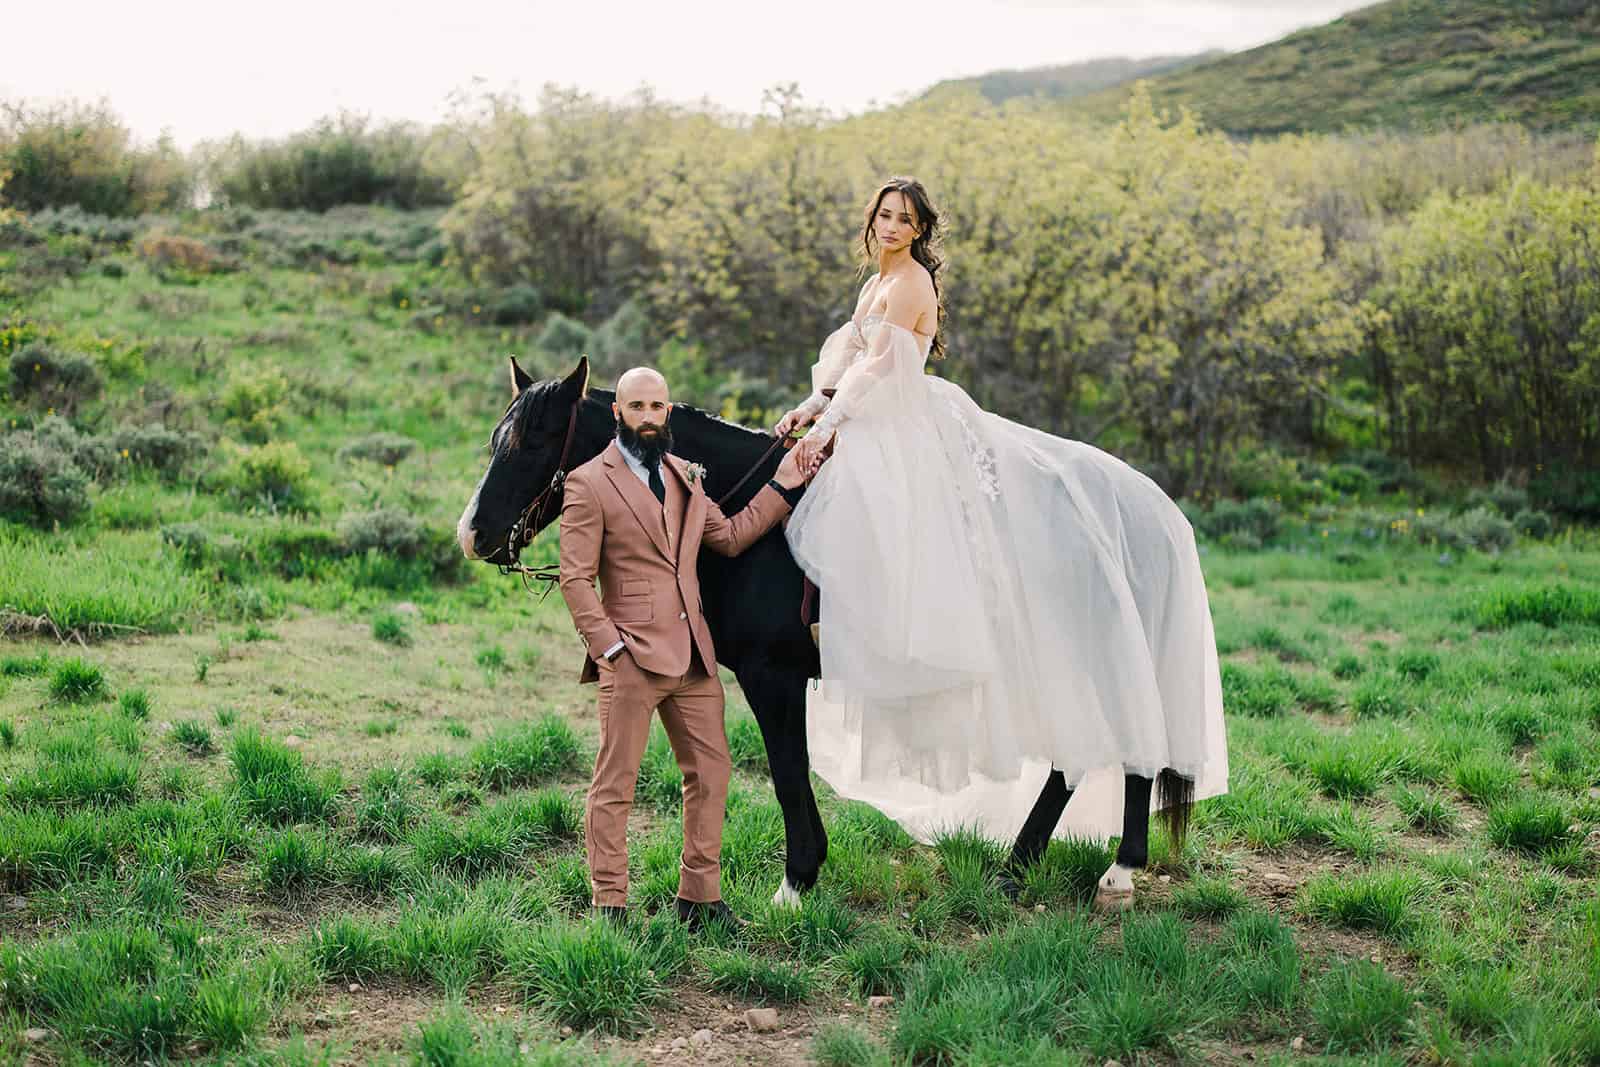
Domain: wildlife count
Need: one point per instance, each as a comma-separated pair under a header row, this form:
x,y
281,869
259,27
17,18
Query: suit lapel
x,y
640,500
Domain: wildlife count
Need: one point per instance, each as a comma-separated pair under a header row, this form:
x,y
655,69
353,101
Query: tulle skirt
x,y
997,601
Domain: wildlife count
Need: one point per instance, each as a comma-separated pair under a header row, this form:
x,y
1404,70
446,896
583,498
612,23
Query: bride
x,y
999,607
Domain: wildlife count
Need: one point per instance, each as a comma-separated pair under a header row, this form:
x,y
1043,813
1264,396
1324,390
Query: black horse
x,y
752,605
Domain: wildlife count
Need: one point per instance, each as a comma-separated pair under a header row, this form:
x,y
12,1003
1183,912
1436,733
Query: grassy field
x,y
298,787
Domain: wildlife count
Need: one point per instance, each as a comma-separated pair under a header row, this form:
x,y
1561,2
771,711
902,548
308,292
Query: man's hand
x,y
798,467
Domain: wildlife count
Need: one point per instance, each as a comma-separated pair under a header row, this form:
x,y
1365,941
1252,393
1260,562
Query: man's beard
x,y
646,450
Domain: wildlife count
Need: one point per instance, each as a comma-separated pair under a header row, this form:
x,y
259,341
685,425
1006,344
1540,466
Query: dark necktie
x,y
656,485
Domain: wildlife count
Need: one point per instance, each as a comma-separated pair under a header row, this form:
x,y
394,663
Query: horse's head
x,y
525,454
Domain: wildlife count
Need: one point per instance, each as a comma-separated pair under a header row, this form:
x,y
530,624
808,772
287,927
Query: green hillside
x,y
1069,80
1410,64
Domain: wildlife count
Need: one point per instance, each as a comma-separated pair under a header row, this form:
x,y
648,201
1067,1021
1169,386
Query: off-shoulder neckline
x,y
885,322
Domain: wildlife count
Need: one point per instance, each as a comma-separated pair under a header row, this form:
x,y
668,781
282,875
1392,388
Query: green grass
x,y
756,979
194,737
1361,1008
74,681
275,784
1386,901
588,976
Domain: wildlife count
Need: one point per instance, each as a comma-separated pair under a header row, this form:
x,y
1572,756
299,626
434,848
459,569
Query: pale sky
x,y
205,70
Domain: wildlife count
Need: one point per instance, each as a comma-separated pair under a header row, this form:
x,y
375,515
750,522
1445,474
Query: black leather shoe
x,y
612,913
698,915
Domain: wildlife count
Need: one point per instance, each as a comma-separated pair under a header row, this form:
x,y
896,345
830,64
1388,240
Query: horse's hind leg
x,y
1115,889
1034,837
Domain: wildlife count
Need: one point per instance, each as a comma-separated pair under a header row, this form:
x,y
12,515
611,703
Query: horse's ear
x,y
519,379
577,383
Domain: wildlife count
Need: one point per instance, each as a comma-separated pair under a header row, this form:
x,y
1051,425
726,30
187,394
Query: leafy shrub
x,y
1568,490
623,339
1351,480
390,629
274,475
164,451
1256,518
1533,523
383,448
50,378
401,535
172,254
39,485
77,154
516,305
342,159
564,337
253,400
92,455
1500,497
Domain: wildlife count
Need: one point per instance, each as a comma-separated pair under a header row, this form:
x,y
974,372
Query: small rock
x,y
701,1038
1164,878
1298,1044
354,987
566,1031
16,903
679,1044
1594,792
499,1009
293,741
875,1003
35,1035
1112,1063
762,1020
1039,909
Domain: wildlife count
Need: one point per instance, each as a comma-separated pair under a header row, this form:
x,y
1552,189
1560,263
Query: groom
x,y
636,517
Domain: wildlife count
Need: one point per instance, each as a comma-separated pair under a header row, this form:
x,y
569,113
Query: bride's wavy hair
x,y
926,248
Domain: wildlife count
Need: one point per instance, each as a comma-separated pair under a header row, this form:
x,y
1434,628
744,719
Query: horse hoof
x,y
787,896
1111,901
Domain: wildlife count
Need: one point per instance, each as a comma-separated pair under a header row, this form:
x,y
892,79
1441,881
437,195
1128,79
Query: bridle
x,y
533,517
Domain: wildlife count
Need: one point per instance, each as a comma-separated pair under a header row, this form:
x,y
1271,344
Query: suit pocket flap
x,y
635,587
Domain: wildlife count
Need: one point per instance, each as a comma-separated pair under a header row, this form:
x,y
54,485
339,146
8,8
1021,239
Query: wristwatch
x,y
610,655
790,496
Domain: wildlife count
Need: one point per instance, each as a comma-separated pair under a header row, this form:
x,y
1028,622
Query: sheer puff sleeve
x,y
892,354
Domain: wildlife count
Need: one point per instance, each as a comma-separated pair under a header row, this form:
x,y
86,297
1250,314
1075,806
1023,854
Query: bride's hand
x,y
796,419
810,451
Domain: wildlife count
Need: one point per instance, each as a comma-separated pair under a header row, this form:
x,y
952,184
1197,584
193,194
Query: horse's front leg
x,y
1114,892
778,699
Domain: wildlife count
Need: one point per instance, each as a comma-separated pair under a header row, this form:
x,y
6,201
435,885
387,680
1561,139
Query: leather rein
x,y
533,517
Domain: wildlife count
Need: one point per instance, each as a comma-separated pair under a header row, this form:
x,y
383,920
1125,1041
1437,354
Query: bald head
x,y
642,402
641,381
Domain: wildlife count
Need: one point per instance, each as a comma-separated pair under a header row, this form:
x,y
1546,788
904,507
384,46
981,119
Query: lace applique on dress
x,y
982,458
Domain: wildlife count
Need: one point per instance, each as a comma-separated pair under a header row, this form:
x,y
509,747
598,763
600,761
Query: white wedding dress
x,y
995,601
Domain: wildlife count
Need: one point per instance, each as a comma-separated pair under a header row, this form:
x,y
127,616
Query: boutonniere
x,y
694,471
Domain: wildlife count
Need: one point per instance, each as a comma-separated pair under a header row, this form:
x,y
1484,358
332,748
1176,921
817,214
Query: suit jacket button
x,y
683,614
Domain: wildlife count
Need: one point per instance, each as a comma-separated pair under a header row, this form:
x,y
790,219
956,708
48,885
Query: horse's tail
x,y
1175,801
